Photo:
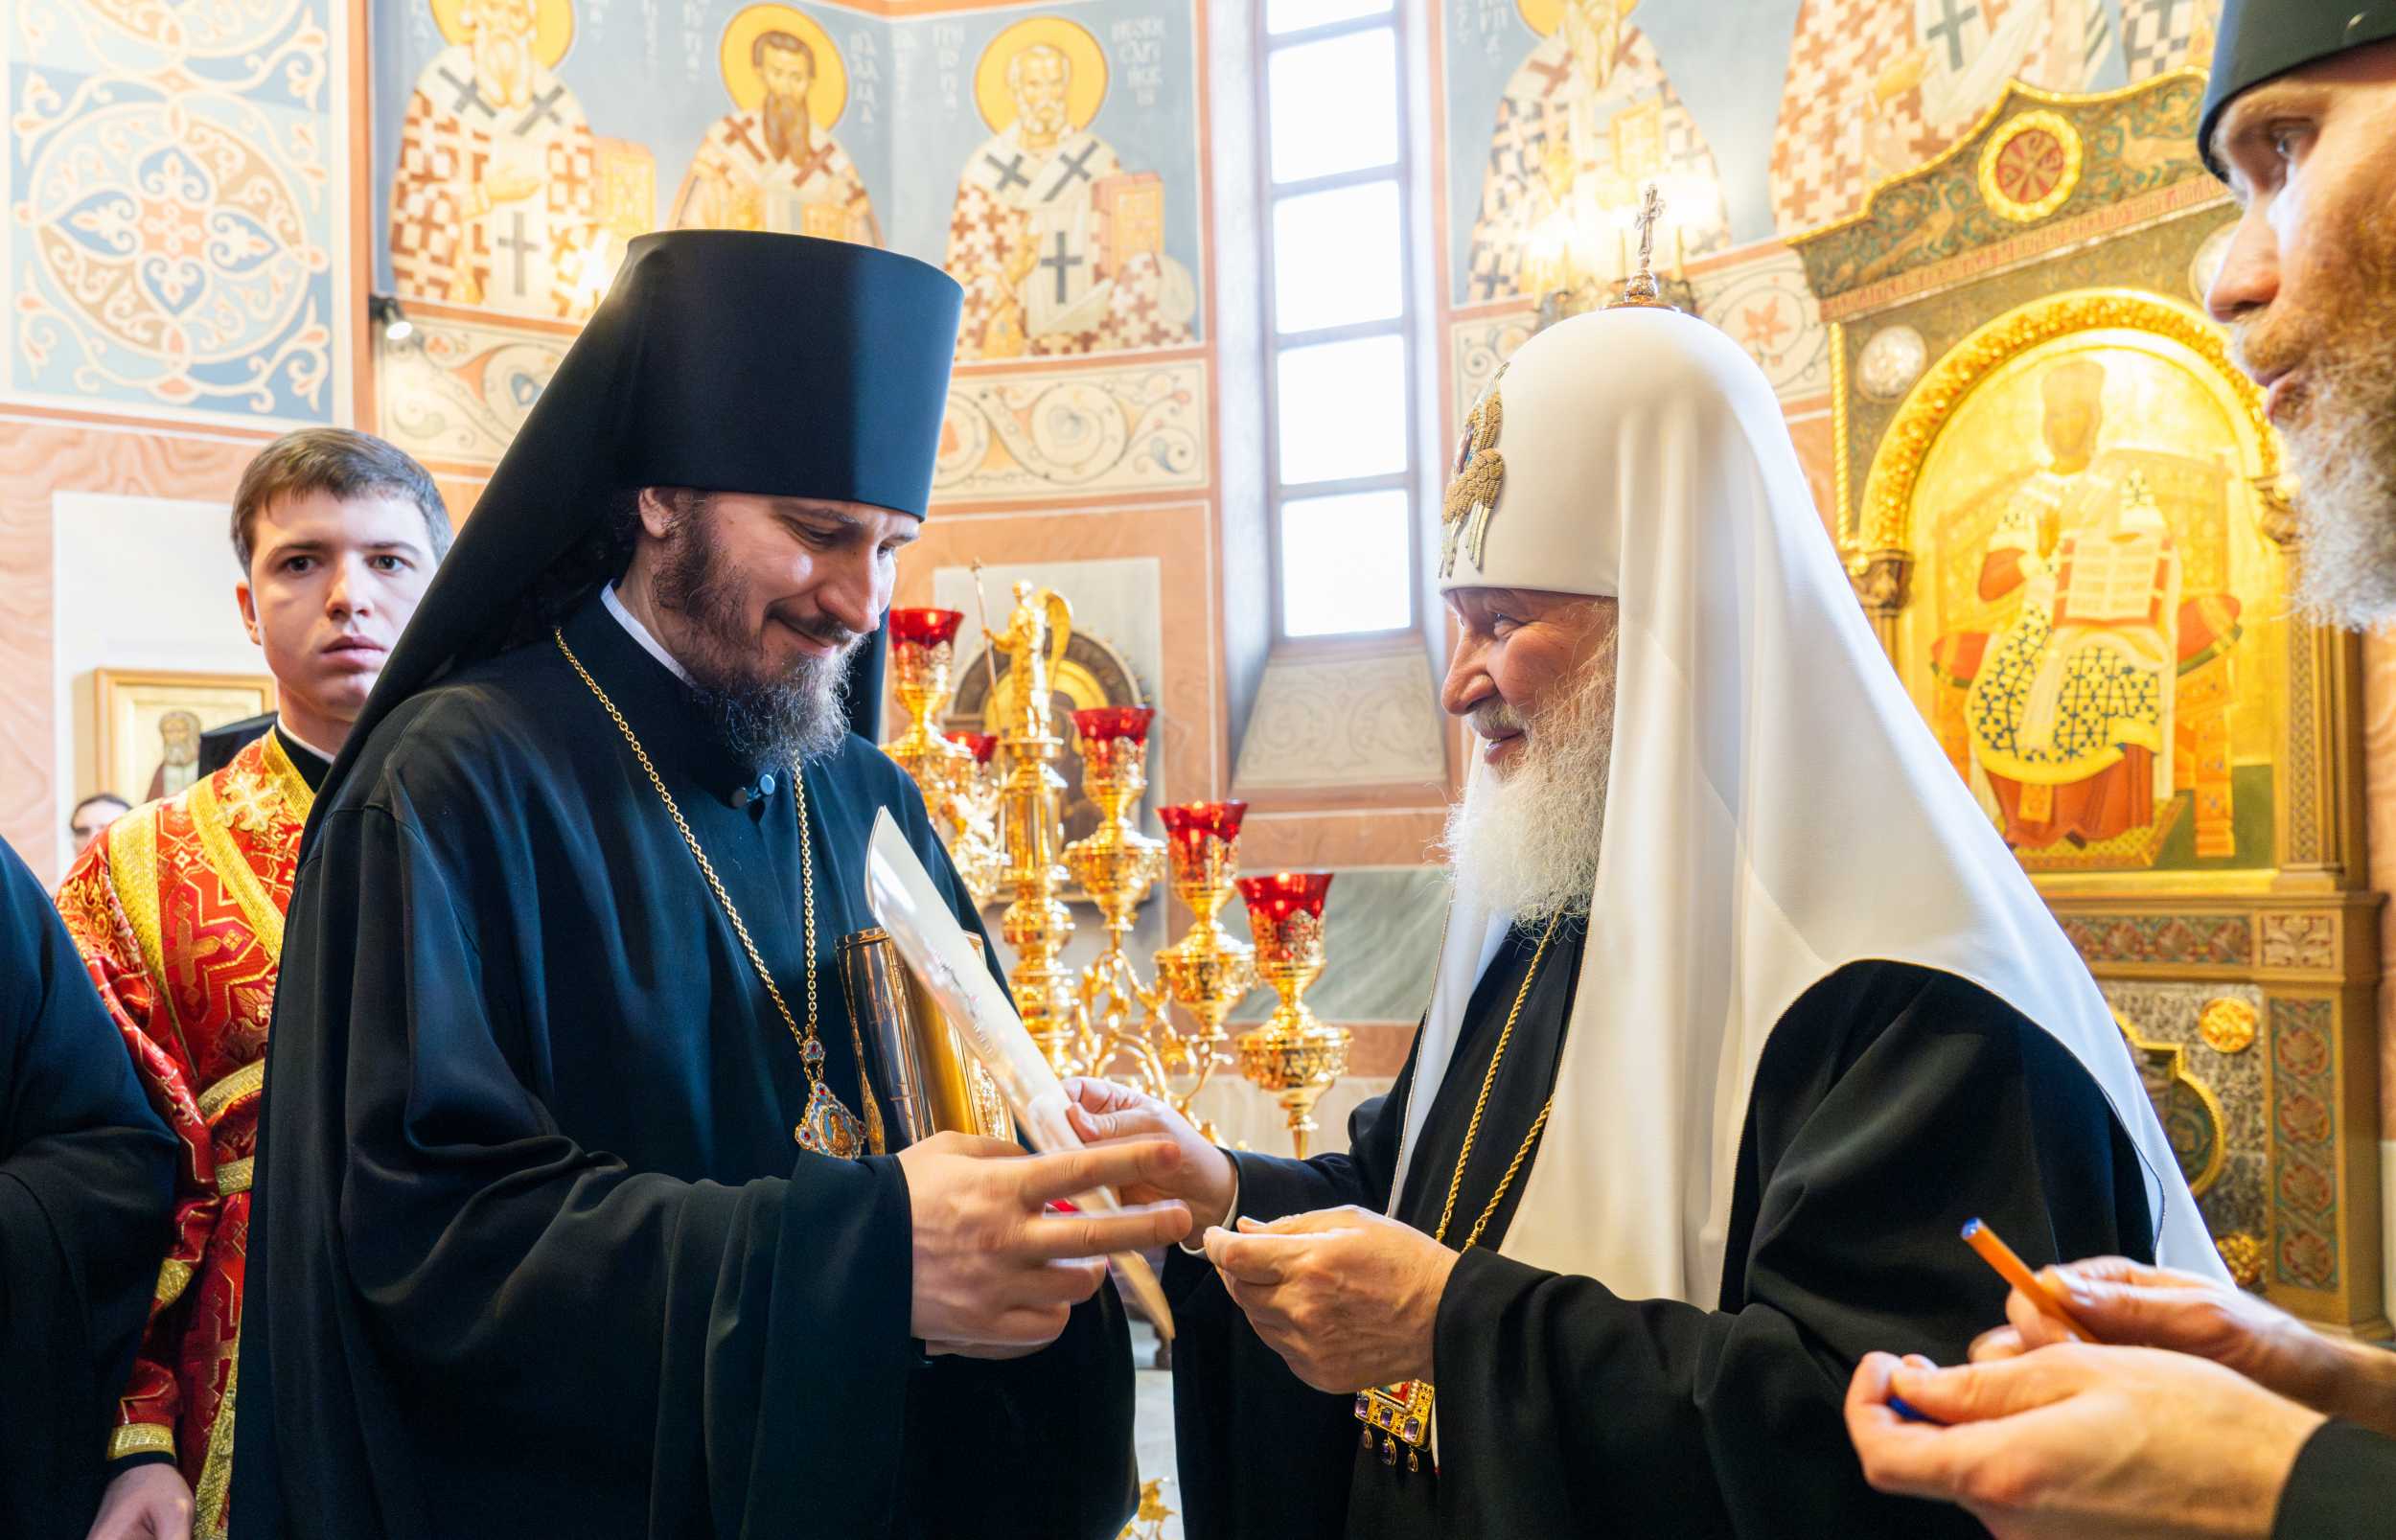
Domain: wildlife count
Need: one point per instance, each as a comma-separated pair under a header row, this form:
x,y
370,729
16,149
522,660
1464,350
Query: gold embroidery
x,y
1479,477
225,859
233,1176
141,1438
175,1275
231,1089
210,1499
133,872
297,798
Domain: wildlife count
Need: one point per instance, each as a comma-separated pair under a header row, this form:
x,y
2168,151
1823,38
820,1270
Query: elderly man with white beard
x,y
1743,1010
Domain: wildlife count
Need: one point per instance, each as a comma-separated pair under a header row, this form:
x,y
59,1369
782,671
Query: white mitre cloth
x,y
1777,808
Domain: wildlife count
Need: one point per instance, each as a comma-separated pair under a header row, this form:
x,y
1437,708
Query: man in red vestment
x,y
177,910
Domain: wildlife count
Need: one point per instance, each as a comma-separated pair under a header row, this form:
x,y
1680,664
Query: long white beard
x,y
1526,844
2343,451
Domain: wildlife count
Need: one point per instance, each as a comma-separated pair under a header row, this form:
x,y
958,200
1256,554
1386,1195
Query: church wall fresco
x,y
1759,120
178,222
1049,156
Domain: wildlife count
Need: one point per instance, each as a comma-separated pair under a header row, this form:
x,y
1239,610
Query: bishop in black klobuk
x,y
565,1203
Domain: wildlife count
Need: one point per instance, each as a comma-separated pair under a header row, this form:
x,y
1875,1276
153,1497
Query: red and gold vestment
x,y
177,910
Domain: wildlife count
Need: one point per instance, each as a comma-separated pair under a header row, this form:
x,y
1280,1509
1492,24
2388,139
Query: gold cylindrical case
x,y
933,1083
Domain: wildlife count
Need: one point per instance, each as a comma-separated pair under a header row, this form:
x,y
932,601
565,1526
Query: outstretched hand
x,y
2130,1304
2082,1441
1103,1113
996,1274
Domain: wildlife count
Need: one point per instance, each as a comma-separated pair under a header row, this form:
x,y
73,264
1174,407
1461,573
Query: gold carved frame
x,y
1984,275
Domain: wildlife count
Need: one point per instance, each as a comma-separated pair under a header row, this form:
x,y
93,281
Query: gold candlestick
x,y
1036,923
974,815
1293,1054
922,650
1114,864
1207,970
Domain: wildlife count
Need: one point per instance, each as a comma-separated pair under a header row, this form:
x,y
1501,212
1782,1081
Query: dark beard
x,y
758,718
785,122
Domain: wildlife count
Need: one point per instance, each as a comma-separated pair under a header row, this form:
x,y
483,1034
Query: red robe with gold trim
x,y
177,910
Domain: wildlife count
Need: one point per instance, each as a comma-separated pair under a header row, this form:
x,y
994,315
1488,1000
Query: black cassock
x,y
86,1197
1891,1104
540,1256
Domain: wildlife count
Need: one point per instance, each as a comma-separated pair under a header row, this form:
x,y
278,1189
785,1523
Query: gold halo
x,y
1084,90
1542,16
827,95
553,26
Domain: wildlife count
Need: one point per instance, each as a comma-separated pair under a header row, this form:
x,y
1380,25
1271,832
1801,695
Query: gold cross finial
x,y
1640,288
1651,214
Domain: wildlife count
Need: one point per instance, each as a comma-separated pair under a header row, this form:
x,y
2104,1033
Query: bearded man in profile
x,y
572,1196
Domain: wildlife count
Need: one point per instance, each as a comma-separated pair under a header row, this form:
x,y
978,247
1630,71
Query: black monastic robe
x,y
86,1195
2340,1487
542,1259
1891,1104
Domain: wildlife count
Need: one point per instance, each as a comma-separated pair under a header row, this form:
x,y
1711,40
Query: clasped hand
x,y
1348,1298
996,1275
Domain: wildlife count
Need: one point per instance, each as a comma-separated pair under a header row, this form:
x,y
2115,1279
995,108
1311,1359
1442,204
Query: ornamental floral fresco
x,y
173,208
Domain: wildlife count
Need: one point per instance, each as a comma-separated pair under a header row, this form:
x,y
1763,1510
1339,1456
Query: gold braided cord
x,y
706,869
1481,1104
1506,1180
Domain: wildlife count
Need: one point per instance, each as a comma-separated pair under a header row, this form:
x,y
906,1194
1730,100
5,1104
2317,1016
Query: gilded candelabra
x,y
1006,821
1294,1055
922,650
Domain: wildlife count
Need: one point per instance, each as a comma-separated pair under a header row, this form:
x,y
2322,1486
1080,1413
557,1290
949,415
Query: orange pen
x,y
2011,1267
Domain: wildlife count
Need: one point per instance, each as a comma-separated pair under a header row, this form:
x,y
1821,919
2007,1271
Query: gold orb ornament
x,y
2029,166
2227,1026
2243,1254
553,26
827,95
1086,84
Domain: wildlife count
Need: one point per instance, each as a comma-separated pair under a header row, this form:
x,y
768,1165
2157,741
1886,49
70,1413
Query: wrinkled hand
x,y
2128,1304
994,1273
146,1502
2080,1441
1348,1298
1104,1113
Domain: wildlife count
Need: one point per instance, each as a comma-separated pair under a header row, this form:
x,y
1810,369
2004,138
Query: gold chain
x,y
806,875
1472,1130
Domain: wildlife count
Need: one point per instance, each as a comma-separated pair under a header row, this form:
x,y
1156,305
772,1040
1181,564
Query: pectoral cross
x,y
542,107
1063,264
469,93
522,244
1010,173
1076,165
1952,26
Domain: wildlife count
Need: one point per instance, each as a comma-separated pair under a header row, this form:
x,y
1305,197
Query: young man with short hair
x,y
178,909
